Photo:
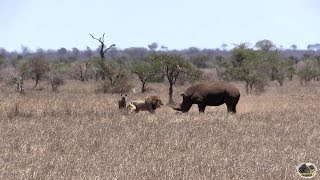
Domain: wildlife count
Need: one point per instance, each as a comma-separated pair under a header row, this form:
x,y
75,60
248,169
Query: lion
x,y
150,104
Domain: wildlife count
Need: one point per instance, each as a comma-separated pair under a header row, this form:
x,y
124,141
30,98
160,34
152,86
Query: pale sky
x,y
177,24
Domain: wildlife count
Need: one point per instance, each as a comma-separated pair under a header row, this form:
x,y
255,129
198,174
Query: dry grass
x,y
78,134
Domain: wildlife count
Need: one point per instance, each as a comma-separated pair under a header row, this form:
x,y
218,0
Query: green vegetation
x,y
113,69
173,66
145,71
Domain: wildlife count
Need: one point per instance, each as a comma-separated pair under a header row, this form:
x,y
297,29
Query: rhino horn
x,y
176,107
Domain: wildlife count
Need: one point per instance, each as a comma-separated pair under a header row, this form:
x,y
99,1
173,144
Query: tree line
x,y
112,68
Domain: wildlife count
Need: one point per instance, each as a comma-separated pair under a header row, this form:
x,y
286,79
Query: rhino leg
x,y
232,104
201,107
232,109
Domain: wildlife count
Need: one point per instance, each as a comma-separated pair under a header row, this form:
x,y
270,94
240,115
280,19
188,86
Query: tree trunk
x,y
170,94
86,72
247,87
37,81
81,73
251,86
54,88
143,89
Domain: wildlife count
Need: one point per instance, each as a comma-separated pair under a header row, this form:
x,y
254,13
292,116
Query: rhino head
x,y
185,105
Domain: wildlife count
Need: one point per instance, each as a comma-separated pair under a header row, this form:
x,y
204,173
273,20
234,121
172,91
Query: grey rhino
x,y
210,94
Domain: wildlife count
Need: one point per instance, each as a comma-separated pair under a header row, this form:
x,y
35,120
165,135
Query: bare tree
x,y
103,48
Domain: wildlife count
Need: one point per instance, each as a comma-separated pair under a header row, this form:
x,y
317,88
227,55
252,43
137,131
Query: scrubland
x,y
80,134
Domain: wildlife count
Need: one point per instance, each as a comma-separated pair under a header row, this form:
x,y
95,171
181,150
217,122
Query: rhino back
x,y
212,91
205,89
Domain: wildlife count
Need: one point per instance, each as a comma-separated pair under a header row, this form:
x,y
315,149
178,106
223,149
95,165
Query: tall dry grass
x,y
79,134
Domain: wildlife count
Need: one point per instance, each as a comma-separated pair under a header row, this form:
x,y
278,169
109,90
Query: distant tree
x,y
294,47
282,69
293,59
224,46
55,81
306,56
200,61
75,52
62,53
18,79
113,53
314,47
281,47
165,48
88,52
40,51
308,70
193,51
153,46
290,71
278,66
219,59
174,65
289,68
247,65
145,71
114,75
105,69
83,69
136,54
102,49
265,45
2,59
25,50
19,57
60,67
3,51
38,68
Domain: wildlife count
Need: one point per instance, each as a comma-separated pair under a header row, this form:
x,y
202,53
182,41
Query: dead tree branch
x,y
102,49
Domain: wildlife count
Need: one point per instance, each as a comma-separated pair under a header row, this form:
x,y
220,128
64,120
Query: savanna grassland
x,y
80,134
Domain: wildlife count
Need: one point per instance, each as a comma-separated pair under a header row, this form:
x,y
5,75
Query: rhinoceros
x,y
210,94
